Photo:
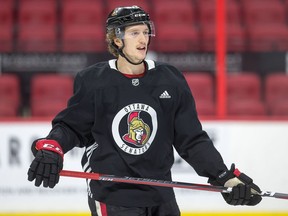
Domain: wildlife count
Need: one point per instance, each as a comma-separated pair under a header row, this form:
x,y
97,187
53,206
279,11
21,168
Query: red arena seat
x,y
276,93
266,25
83,26
37,26
244,95
202,87
50,93
176,29
7,25
236,34
9,95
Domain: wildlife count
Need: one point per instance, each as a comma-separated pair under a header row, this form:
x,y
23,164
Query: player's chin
x,y
141,57
139,60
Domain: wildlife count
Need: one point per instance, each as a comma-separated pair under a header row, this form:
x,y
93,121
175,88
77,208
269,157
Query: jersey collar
x,y
150,64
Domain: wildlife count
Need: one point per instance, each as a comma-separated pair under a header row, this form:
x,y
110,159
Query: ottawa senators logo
x,y
138,131
134,128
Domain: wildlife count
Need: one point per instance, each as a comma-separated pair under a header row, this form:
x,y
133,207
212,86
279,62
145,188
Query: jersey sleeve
x,y
72,126
191,142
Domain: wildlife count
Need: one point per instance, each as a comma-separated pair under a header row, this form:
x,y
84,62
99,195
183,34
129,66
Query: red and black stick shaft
x,y
160,183
142,181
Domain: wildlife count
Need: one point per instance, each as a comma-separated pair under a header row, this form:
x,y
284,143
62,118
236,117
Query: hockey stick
x,y
161,183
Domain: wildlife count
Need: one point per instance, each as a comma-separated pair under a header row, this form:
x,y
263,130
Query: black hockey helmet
x,y
121,17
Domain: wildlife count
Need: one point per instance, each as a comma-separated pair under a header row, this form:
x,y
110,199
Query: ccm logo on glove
x,y
50,145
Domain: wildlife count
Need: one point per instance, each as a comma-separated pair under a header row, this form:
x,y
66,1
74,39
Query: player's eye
x,y
146,33
134,33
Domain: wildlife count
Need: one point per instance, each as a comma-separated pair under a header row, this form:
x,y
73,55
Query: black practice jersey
x,y
129,127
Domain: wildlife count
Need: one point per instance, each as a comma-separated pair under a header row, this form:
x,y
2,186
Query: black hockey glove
x,y
47,164
244,191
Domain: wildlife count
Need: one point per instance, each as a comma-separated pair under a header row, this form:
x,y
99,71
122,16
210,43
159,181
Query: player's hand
x,y
244,191
47,164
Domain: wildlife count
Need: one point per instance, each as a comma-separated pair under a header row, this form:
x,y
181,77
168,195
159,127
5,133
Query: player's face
x,y
136,40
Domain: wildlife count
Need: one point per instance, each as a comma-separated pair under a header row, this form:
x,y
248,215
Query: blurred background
x,y
50,40
233,54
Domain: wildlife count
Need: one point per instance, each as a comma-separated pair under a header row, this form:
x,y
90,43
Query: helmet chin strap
x,y
120,52
123,55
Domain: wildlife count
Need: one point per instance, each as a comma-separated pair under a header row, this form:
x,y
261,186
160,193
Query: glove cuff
x,y
223,177
49,145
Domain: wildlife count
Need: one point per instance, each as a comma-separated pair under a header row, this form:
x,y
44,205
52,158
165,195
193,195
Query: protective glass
x,y
120,31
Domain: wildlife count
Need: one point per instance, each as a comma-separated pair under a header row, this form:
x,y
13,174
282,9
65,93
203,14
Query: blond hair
x,y
110,36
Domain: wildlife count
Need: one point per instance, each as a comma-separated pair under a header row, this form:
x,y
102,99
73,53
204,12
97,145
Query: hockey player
x,y
128,113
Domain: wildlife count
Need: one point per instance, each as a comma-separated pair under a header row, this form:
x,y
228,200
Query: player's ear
x,y
118,42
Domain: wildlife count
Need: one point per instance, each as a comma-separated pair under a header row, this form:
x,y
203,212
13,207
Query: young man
x,y
128,113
